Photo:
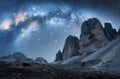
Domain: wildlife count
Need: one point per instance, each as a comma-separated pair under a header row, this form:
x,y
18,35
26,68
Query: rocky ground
x,y
47,71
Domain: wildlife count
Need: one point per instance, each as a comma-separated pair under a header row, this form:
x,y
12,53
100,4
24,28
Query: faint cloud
x,y
32,27
26,32
56,21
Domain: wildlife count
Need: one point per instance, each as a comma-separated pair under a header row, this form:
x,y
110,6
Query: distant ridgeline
x,y
93,37
19,57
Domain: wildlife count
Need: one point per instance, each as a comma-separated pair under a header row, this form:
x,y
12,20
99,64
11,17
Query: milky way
x,y
39,28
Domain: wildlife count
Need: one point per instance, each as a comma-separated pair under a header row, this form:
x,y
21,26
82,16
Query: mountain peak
x,y
89,25
110,32
93,37
58,56
71,47
19,55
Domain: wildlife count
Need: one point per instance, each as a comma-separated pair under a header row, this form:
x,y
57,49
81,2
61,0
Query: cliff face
x,y
93,37
58,56
71,47
110,32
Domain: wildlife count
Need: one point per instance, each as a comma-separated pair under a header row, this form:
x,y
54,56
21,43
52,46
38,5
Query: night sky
x,y
38,28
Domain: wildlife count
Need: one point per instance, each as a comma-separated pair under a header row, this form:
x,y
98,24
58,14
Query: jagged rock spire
x,y
110,32
93,37
58,56
71,47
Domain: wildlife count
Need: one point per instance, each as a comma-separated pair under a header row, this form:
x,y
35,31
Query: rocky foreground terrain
x,y
94,56
47,71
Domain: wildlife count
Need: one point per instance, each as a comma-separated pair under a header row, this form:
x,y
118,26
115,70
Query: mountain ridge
x,y
20,57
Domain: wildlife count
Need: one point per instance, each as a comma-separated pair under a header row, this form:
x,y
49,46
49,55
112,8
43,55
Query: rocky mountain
x,y
110,32
106,59
93,37
40,60
71,47
97,49
19,57
58,56
15,57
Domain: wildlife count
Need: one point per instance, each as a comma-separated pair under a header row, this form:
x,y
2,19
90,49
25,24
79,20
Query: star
x,y
33,8
51,33
56,41
39,39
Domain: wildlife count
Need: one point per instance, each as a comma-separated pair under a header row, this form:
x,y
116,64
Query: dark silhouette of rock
x,y
119,31
110,32
71,47
58,56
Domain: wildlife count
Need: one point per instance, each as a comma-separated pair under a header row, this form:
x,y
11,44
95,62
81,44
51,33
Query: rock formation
x,y
58,56
93,37
110,32
71,47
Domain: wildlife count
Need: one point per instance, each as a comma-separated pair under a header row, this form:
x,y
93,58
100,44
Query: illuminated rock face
x,y
71,47
93,37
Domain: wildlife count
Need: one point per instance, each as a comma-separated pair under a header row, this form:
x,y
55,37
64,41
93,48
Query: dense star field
x,y
38,28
